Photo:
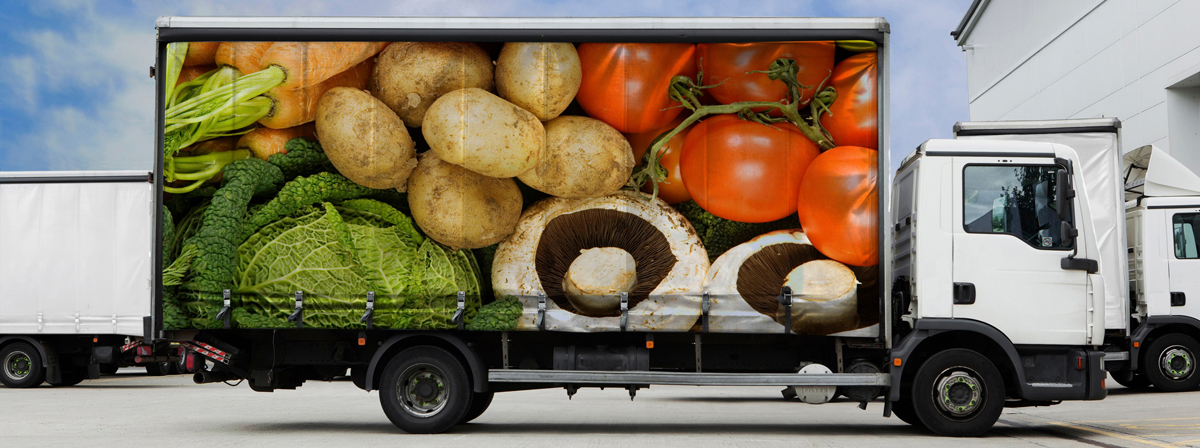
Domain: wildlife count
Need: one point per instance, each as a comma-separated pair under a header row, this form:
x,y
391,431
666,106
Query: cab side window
x,y
1015,200
1183,229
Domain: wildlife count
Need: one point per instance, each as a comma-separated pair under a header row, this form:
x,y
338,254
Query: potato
x,y
483,133
460,208
584,158
366,142
410,76
541,77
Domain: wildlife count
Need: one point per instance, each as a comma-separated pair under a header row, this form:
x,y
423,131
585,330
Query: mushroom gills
x,y
824,297
596,279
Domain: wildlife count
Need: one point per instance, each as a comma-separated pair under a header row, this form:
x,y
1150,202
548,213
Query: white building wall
x,y
1137,60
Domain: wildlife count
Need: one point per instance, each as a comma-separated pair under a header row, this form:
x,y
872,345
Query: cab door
x,y
1008,252
1183,262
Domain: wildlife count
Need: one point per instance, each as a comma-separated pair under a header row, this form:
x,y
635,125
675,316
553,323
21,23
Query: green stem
x,y
201,168
176,53
688,92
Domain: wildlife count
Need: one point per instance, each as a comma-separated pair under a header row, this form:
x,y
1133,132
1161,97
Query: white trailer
x,y
1148,258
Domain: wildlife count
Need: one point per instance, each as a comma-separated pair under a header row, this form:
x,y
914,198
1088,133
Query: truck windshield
x,y
1016,200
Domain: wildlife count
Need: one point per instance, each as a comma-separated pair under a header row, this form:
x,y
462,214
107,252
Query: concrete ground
x,y
132,409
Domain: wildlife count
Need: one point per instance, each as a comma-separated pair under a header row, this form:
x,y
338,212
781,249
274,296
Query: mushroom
x,y
583,253
746,281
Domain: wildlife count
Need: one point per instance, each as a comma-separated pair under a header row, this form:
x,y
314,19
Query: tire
x,y
903,410
958,393
158,369
479,404
109,369
425,390
70,377
1137,382
1169,363
21,366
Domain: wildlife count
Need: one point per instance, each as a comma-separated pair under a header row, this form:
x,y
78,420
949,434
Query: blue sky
x,y
76,95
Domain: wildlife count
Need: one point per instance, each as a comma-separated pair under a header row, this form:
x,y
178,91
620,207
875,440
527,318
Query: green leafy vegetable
x,y
719,235
303,192
501,315
303,157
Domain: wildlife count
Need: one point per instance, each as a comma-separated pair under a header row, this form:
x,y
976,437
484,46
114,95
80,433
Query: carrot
x,y
200,53
192,72
263,142
309,63
243,56
296,107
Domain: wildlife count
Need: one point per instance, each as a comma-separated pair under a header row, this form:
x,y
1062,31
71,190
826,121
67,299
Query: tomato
x,y
839,205
745,171
625,85
729,64
854,119
672,189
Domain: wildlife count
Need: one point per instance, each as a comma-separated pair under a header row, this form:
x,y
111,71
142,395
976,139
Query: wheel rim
x,y
422,390
958,392
1177,362
17,365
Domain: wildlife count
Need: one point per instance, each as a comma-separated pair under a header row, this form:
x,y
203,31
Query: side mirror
x,y
1067,233
1063,193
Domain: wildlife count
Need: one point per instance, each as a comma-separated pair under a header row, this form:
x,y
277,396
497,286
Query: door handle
x,y
964,293
1080,264
1178,299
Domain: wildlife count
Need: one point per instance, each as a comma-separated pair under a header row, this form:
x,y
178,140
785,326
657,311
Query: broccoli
x,y
219,234
303,157
302,192
501,315
720,235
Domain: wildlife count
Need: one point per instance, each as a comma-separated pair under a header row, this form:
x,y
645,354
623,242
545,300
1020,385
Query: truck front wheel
x,y
22,366
1170,363
958,393
479,403
425,390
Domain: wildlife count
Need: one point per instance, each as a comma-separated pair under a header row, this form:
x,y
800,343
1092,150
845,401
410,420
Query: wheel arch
x,y
396,344
37,345
934,335
1158,326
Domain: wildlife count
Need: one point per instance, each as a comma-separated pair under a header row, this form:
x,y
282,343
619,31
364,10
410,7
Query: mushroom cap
x,y
823,314
672,305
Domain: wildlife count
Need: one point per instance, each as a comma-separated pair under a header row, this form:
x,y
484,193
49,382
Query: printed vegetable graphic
x,y
579,252
671,189
364,139
501,315
736,70
839,205
296,107
246,57
583,158
482,132
201,53
719,235
263,142
745,171
853,121
410,76
689,93
625,85
460,208
541,77
752,275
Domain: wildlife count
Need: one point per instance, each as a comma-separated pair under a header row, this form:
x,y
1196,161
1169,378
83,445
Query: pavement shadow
x,y
691,429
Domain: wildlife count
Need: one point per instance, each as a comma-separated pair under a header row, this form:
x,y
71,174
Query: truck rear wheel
x,y
958,393
1170,363
479,404
22,366
425,390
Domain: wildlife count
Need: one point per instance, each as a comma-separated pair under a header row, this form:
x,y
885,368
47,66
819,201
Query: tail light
x,y
190,362
145,350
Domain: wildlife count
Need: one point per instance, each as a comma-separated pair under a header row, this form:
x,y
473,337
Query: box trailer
x,y
453,207
1145,252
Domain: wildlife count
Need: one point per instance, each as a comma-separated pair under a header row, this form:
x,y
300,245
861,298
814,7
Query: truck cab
x,y
994,249
1162,221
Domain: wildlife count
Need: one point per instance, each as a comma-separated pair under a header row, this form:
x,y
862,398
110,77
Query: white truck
x,y
1148,258
937,320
